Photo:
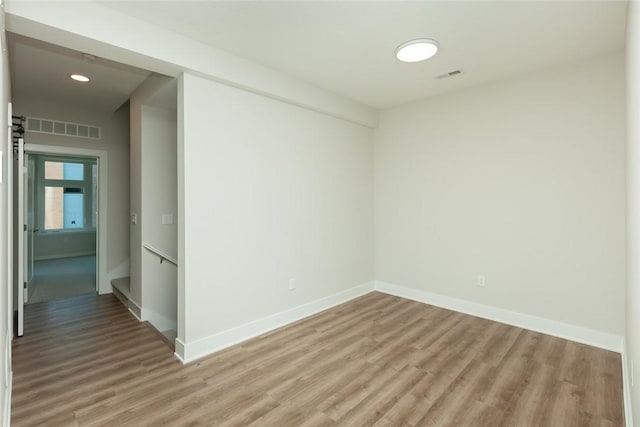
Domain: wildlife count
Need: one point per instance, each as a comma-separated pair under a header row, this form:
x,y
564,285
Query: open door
x,y
30,192
22,235
26,221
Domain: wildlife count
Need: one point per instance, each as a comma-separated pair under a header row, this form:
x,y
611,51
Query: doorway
x,y
66,118
64,192
62,216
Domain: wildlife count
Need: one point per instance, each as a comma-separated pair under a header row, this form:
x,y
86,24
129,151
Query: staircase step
x,y
123,285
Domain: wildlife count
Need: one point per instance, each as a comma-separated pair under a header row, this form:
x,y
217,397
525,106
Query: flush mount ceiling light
x,y
416,50
79,78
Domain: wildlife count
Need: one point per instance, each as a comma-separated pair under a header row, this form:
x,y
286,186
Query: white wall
x,y
271,192
54,245
135,195
632,336
115,141
521,181
154,193
6,248
159,197
159,177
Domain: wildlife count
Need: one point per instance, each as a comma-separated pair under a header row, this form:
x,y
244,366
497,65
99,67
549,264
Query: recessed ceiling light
x,y
79,78
416,50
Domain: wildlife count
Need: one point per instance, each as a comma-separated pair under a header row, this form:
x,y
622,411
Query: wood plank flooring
x,y
377,360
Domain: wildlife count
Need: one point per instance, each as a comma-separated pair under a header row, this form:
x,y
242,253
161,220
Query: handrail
x,y
163,256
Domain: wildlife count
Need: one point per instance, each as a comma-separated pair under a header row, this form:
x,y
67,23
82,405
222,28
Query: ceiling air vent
x,y
57,127
449,74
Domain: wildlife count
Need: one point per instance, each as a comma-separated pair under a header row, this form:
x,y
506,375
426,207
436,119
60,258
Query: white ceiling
x,y
347,47
41,70
344,47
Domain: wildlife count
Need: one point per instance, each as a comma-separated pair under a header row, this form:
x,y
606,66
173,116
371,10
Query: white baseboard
x,y
62,256
8,386
6,411
179,350
135,309
190,351
538,324
626,387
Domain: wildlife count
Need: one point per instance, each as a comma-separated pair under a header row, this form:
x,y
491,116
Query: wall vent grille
x,y
449,74
56,127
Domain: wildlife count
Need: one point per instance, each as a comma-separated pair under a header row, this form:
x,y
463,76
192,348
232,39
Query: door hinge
x,y
25,285
24,228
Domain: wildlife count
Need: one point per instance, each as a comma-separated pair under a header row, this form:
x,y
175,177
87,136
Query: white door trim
x,y
102,282
21,164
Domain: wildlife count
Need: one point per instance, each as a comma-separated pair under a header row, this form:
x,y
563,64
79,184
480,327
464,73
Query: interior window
x,y
63,170
65,186
63,208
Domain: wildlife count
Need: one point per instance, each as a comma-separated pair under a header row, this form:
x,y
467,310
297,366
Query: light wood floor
x,y
377,360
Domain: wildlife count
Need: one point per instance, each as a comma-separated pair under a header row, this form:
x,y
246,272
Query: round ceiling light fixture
x,y
416,50
79,78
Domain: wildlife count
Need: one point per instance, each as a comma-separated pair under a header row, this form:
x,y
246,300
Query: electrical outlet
x,y
292,284
480,280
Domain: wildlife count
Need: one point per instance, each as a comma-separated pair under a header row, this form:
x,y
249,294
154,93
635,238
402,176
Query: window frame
x,y
86,184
